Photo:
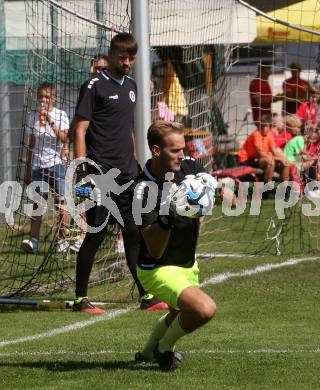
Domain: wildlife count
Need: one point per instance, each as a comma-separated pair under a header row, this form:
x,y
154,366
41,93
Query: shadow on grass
x,y
16,308
81,365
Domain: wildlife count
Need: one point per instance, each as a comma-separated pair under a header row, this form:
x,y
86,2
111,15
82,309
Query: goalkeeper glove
x,y
84,188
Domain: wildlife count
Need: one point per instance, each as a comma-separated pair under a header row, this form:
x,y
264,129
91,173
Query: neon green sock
x,y
157,332
79,299
171,336
147,296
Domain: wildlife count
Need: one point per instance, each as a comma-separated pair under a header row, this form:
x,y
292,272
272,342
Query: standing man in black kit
x,y
103,132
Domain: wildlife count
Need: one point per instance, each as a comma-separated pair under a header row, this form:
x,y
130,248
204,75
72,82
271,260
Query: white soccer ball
x,y
195,196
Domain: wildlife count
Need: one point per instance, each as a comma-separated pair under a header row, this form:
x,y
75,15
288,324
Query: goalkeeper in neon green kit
x,y
167,267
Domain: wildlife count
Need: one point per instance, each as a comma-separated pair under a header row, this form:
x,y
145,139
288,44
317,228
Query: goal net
x,y
203,61
286,42
63,38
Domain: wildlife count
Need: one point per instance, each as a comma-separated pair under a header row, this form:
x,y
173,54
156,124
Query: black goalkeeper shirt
x,y
109,107
183,239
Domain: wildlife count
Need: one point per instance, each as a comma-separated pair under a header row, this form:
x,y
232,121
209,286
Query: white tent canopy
x,y
186,22
173,22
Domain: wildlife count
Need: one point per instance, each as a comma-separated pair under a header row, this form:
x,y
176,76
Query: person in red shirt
x,y
280,134
294,90
308,111
312,163
313,143
260,151
260,94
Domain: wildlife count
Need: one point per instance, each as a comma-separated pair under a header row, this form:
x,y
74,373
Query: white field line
x,y
213,255
68,328
248,351
193,351
260,268
114,313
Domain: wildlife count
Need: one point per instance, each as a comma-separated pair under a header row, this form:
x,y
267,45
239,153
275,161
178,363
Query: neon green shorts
x,y
168,282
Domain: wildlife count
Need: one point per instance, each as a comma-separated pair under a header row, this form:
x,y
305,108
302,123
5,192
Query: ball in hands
x,y
195,196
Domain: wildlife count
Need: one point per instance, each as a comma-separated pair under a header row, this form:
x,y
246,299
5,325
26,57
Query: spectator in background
x,y
49,129
296,144
98,63
260,94
312,141
294,90
308,110
280,134
295,149
260,151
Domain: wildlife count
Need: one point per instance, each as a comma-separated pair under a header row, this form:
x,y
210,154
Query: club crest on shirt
x,y
132,96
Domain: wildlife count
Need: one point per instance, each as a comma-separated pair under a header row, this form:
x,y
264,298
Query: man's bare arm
x,y
279,156
261,153
80,127
156,239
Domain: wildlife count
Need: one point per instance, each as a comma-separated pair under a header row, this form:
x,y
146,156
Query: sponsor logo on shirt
x,y
132,96
115,97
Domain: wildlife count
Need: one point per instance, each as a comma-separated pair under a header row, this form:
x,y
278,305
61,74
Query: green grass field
x,y
265,336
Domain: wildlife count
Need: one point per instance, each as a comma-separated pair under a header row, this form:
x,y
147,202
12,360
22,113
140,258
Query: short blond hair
x,y
159,129
293,121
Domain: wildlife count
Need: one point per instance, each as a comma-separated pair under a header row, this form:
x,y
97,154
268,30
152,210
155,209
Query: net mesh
x,y
286,36
62,39
203,61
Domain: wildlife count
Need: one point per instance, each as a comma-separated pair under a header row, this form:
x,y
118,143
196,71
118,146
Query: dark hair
x,y
295,65
99,57
124,42
266,119
95,68
46,85
313,90
263,66
159,129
